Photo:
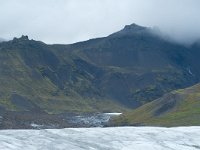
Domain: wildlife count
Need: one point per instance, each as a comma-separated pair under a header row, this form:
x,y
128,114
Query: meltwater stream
x,y
114,138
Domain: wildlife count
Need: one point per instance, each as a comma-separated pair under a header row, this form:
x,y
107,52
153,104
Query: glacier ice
x,y
113,138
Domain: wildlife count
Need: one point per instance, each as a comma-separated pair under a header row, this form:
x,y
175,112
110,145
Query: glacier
x,y
112,138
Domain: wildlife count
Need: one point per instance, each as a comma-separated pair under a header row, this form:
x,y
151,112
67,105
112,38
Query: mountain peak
x,y
131,29
22,38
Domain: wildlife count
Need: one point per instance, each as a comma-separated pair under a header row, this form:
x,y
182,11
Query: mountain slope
x,y
178,108
32,78
142,63
124,70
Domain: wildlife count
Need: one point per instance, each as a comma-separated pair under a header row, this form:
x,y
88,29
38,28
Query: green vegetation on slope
x,y
124,70
32,78
178,108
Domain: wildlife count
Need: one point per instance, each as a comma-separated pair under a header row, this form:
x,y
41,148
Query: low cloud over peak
x,y
68,21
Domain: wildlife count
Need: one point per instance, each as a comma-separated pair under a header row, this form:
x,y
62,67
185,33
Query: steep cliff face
x,y
126,69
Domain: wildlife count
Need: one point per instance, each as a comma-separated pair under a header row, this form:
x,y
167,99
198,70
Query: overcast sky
x,y
68,21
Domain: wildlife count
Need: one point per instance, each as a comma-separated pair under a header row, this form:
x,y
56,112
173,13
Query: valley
x,y
127,70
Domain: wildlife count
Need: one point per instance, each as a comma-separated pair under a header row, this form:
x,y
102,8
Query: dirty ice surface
x,y
113,138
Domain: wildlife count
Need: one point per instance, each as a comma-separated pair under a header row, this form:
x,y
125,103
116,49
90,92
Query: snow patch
x,y
36,125
113,114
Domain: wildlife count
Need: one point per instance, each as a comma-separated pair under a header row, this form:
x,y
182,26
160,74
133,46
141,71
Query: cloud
x,y
68,21
1,40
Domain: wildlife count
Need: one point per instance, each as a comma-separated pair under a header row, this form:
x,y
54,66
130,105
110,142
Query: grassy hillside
x,y
124,70
178,108
30,79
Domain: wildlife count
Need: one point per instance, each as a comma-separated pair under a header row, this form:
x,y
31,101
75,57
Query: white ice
x,y
115,138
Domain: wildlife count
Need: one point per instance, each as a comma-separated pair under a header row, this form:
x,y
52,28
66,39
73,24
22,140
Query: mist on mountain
x,y
70,21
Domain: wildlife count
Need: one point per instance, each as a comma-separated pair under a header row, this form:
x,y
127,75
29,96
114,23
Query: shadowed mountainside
x,y
124,70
